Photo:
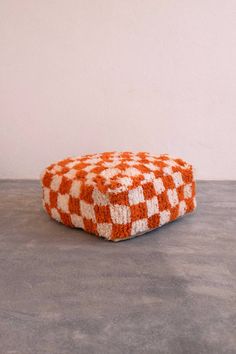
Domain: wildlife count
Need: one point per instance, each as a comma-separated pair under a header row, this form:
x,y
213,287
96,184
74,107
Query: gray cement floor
x,y
63,291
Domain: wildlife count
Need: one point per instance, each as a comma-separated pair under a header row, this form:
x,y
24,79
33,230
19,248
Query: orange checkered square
x,y
118,195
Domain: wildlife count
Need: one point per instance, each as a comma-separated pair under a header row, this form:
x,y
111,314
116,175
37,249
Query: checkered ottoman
x,y
118,195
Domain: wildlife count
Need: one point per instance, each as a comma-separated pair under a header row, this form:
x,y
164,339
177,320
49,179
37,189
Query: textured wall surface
x,y
98,75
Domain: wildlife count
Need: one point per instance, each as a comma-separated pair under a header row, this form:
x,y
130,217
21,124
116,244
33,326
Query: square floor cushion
x,y
118,195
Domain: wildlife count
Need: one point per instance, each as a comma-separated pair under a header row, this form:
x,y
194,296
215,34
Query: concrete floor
x,y
63,291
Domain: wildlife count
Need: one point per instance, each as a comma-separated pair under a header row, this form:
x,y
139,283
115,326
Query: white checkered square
x,y
56,182
136,196
56,169
151,166
148,177
120,214
110,172
72,164
139,226
132,172
100,198
188,191
88,168
63,202
158,185
182,208
87,210
125,181
55,214
70,174
46,195
89,178
131,163
75,189
177,178
168,170
77,220
173,197
164,217
93,160
152,206
104,229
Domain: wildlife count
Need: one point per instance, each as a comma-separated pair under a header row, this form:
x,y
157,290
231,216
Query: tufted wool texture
x,y
118,195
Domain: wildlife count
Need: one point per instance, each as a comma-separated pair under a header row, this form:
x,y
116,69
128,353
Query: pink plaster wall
x,y
98,75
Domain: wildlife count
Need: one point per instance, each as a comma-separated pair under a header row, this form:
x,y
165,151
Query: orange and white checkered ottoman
x,y
118,195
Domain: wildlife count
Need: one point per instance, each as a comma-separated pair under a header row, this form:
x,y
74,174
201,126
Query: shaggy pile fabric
x,y
118,195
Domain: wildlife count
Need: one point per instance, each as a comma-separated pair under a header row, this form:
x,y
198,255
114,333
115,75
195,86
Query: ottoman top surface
x,y
116,171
